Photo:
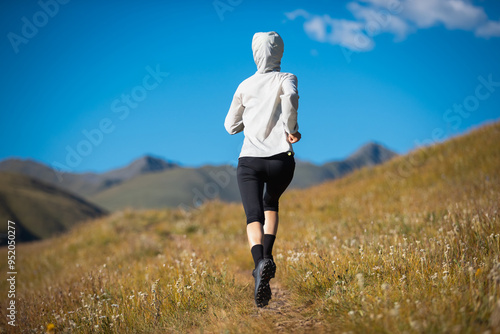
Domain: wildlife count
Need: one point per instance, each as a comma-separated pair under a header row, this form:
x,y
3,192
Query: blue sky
x,y
111,81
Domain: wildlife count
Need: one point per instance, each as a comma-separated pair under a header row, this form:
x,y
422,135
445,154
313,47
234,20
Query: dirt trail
x,y
282,312
289,316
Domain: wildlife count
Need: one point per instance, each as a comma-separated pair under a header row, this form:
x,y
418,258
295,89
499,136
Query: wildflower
x,y
193,266
51,328
154,286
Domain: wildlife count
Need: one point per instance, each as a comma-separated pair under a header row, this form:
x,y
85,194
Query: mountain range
x,y
146,183
85,184
38,209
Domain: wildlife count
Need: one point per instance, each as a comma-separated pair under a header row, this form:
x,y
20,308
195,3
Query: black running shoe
x,y
262,291
270,269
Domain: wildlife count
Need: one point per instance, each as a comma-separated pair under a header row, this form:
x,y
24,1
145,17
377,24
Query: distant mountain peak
x,y
373,152
142,165
149,163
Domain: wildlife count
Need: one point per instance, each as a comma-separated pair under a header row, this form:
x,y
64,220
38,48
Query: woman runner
x,y
265,107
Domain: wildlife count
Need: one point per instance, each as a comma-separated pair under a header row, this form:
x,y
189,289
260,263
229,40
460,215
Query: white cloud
x,y
453,14
350,35
489,29
334,31
316,28
297,13
379,20
397,17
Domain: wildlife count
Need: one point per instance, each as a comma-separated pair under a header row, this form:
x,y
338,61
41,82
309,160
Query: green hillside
x,y
40,210
410,246
85,184
180,187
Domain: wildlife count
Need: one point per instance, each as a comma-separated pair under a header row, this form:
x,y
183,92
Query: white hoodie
x,y
265,105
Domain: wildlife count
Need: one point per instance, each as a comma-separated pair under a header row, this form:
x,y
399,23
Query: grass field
x,y
411,246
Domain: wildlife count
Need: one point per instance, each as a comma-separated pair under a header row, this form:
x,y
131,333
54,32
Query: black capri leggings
x,y
276,172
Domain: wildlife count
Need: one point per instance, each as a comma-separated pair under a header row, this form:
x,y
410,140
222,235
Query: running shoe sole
x,y
262,274
263,294
269,270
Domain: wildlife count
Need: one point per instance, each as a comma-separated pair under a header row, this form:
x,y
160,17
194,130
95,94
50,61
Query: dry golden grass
x,y
411,246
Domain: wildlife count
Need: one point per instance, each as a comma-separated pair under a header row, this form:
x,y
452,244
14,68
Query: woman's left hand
x,y
293,138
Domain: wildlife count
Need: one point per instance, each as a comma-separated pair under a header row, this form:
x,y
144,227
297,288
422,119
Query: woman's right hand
x,y
293,138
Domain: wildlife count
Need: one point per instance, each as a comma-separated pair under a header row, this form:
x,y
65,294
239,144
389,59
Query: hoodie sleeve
x,y
290,103
234,118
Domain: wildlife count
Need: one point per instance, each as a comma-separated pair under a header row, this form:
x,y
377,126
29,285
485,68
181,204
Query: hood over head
x,y
267,51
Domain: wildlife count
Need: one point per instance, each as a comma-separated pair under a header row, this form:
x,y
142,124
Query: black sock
x,y
257,254
268,245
